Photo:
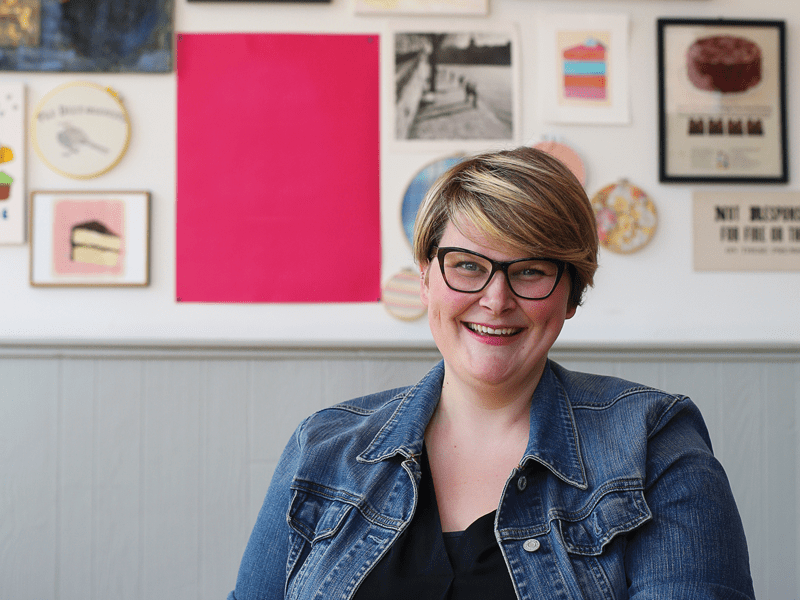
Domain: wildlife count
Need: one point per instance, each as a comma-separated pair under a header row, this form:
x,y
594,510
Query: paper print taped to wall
x,y
289,211
12,164
583,73
88,237
583,63
86,35
455,85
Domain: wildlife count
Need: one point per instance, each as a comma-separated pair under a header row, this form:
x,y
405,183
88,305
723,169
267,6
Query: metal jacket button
x,y
531,545
522,483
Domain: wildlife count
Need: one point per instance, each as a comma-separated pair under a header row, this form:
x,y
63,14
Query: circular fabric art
x,y
80,130
626,217
417,189
566,155
401,296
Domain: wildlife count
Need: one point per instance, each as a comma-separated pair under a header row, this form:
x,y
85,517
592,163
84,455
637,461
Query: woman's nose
x,y
497,295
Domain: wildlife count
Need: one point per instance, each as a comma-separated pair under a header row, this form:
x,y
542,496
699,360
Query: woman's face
x,y
514,353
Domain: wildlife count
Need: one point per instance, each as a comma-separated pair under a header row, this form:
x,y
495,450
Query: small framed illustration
x,y
90,238
722,101
475,8
583,70
81,130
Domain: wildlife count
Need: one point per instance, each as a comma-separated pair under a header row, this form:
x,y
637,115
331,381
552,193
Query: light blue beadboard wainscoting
x,y
136,471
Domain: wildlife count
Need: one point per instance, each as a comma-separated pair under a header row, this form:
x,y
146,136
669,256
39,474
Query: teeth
x,y
491,331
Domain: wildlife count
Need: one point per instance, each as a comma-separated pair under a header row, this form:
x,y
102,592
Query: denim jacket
x,y
618,496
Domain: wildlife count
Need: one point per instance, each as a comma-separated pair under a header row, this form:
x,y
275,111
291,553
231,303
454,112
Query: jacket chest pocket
x,y
317,517
596,540
588,531
314,522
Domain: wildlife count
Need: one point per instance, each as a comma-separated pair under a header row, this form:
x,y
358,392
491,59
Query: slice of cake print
x,y
585,71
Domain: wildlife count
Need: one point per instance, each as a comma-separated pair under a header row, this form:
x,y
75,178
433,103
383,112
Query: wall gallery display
x,y
80,130
454,85
583,68
134,36
90,238
746,231
722,101
12,163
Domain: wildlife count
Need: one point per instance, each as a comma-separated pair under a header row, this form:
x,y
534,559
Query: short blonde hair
x,y
524,198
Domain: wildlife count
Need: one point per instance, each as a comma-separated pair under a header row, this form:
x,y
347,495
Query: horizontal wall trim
x,y
203,350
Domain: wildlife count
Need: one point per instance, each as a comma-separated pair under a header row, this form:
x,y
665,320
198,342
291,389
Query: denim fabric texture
x,y
618,496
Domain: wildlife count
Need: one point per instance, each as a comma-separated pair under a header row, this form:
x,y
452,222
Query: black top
x,y
426,564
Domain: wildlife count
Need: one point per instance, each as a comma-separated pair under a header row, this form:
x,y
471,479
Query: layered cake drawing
x,y
585,71
93,243
724,63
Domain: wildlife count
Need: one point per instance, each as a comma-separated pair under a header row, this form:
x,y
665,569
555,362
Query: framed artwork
x,y
80,130
454,86
476,8
12,163
583,68
90,238
273,1
722,101
134,36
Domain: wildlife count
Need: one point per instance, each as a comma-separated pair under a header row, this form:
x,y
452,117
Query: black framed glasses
x,y
470,272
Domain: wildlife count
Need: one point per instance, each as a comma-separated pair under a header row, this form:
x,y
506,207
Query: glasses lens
x,y
466,272
533,278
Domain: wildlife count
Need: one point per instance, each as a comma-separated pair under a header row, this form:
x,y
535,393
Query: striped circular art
x,y
626,217
401,296
417,189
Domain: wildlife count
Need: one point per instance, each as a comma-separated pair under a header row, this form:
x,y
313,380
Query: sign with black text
x,y
747,231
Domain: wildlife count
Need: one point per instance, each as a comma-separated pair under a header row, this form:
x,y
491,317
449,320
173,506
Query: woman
x,y
500,474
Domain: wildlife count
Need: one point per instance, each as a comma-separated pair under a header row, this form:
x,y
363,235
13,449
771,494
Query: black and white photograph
x,y
457,85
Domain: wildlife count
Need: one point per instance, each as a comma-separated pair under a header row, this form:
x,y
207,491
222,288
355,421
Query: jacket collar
x,y
553,439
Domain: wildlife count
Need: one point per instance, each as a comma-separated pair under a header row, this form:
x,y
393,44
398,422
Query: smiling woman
x,y
501,474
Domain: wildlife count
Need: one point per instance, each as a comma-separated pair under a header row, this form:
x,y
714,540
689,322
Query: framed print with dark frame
x,y
722,101
90,238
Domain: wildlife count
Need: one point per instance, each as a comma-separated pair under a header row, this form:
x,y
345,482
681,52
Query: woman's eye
x,y
469,266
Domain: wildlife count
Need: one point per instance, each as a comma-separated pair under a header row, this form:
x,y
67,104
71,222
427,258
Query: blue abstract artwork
x,y
133,36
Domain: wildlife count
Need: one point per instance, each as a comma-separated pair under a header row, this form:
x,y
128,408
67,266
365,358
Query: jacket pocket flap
x,y
615,512
316,517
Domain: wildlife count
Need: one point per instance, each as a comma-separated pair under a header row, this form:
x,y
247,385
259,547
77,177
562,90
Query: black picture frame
x,y
722,121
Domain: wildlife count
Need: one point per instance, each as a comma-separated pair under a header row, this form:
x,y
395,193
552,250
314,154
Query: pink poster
x,y
278,168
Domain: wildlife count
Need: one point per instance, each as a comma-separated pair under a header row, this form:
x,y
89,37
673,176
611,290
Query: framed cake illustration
x,y
722,101
90,238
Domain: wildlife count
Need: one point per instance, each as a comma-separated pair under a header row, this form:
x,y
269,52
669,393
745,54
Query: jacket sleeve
x,y
694,546
262,572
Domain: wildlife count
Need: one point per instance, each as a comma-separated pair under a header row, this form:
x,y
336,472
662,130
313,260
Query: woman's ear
x,y
424,271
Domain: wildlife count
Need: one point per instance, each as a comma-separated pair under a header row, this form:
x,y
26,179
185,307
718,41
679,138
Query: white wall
x,y
652,296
